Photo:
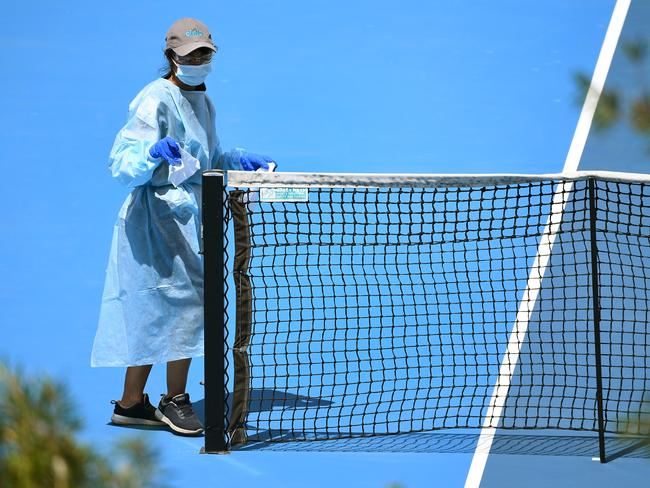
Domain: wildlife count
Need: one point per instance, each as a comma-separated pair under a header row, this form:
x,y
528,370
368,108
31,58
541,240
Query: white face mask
x,y
193,75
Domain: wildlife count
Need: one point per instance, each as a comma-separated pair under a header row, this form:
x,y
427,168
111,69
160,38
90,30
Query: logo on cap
x,y
194,33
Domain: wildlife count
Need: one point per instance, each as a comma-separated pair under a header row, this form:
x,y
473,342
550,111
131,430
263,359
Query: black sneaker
x,y
143,413
177,413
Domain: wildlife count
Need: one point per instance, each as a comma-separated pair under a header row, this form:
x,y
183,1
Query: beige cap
x,y
186,35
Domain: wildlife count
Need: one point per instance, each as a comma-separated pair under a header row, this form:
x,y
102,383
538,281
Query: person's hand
x,y
253,162
167,149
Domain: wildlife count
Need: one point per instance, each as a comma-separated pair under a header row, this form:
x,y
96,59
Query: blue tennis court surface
x,y
378,87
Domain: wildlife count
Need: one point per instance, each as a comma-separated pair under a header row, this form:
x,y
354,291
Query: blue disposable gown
x,y
151,308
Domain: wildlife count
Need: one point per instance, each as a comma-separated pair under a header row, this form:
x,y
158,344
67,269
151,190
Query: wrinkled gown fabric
x,y
151,309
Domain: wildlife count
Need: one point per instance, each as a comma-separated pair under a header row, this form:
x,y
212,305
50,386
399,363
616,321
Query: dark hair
x,y
167,69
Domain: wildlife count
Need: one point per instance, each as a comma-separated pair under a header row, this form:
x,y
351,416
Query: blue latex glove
x,y
253,162
167,149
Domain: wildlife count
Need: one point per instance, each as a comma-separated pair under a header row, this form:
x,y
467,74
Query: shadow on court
x,y
534,443
451,442
266,400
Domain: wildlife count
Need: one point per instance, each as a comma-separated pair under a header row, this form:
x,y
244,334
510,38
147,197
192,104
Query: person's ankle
x,y
169,396
128,402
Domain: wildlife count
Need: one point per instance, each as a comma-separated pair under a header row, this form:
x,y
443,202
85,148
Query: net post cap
x,y
186,34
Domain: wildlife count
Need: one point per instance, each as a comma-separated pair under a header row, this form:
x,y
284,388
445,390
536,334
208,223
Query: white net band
x,y
373,180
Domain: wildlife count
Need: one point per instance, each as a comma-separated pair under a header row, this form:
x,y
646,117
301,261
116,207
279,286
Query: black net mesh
x,y
369,311
623,237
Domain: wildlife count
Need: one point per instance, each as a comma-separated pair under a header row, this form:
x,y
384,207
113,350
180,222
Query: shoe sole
x,y
160,416
122,420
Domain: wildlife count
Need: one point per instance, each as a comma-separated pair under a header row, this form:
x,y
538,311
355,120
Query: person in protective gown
x,y
152,309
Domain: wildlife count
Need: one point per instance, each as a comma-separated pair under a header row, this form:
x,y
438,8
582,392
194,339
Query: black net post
x,y
214,323
593,210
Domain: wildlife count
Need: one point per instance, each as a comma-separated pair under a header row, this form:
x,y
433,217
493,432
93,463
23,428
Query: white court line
x,y
527,305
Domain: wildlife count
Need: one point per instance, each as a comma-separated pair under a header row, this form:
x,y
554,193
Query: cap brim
x,y
185,49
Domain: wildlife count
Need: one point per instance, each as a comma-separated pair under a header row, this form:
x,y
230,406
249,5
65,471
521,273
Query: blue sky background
x,y
366,86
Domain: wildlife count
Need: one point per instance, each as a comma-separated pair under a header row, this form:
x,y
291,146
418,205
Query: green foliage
x,y
639,424
640,115
608,108
636,51
39,448
607,111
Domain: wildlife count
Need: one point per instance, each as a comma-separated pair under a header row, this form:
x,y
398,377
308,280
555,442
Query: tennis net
x,y
362,305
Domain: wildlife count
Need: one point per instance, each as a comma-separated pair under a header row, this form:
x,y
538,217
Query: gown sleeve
x,y
226,160
130,161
